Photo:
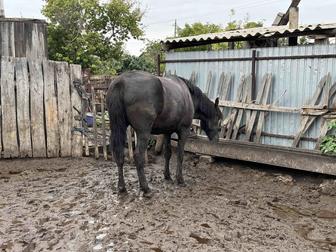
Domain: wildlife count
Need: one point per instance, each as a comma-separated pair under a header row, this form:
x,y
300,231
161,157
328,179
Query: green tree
x,y
147,61
91,33
200,28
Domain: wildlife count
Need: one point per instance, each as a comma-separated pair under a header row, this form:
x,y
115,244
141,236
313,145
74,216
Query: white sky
x,y
160,15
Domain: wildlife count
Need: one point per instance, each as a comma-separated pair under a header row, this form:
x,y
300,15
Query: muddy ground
x,y
72,205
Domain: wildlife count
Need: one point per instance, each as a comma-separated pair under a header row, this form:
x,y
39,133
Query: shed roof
x,y
251,34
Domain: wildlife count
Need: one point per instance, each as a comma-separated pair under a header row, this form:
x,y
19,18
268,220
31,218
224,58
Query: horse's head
x,y
212,124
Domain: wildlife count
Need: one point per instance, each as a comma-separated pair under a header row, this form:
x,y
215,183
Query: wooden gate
x,y
40,109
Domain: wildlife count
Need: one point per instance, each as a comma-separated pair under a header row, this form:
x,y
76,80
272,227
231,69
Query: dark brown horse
x,y
156,105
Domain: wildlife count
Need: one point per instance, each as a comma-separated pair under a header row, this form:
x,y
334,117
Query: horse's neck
x,y
202,107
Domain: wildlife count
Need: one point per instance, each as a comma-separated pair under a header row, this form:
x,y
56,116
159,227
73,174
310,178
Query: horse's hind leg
x,y
182,134
139,158
167,155
118,154
119,158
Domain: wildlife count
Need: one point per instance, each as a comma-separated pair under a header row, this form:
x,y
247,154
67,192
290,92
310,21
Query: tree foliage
x,y
328,145
200,28
91,33
147,61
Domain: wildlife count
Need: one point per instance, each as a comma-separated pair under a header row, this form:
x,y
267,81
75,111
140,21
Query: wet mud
x,y
73,205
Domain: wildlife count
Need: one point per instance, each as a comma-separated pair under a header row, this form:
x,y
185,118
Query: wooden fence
x,y
21,37
40,109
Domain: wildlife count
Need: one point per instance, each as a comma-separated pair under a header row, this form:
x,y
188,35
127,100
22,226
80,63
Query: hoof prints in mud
x,y
73,205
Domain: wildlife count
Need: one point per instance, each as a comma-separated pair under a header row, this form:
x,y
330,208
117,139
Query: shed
x,y
277,101
260,35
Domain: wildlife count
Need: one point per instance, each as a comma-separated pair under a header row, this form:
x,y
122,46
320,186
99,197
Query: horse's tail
x,y
118,120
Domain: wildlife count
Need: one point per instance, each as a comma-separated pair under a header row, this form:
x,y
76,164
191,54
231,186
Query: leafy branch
x,y
328,145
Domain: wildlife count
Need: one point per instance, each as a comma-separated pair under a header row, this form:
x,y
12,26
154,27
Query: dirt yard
x,y
72,205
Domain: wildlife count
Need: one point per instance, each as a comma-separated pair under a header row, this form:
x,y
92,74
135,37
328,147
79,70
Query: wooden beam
x,y
292,158
312,110
285,18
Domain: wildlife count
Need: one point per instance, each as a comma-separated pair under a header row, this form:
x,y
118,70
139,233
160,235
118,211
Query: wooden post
x,y
102,98
37,109
94,112
7,95
85,102
2,9
76,103
293,23
158,65
254,81
51,110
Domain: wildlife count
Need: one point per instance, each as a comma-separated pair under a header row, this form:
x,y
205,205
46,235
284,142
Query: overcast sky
x,y
160,15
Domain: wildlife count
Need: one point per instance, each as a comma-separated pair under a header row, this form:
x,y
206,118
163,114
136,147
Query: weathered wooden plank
x,y
64,107
208,84
250,123
293,158
4,39
51,110
223,91
19,39
94,113
224,88
229,122
262,114
23,104
307,121
11,39
260,107
246,98
8,96
103,126
37,108
76,101
193,78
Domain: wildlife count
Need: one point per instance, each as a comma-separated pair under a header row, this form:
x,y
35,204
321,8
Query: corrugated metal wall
x,y
297,77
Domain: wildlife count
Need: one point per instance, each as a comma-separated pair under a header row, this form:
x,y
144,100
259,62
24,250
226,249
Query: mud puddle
x,y
72,205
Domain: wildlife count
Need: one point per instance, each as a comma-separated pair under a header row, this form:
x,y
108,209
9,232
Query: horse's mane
x,y
194,90
205,105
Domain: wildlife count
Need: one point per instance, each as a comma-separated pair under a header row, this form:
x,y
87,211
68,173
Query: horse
x,y
156,105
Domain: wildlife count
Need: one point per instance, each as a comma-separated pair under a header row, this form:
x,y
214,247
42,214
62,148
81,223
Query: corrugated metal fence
x,y
294,81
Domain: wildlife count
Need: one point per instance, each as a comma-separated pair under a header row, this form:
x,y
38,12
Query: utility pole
x,y
175,28
2,9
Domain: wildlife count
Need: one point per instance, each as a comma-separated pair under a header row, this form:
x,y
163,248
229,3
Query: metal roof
x,y
250,34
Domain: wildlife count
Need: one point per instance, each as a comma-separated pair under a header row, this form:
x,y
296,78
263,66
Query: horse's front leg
x,y
167,155
139,157
182,134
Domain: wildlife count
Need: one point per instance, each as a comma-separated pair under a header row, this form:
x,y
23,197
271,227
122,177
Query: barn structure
x,y
277,99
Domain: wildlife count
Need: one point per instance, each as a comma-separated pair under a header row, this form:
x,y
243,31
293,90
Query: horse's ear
x,y
217,102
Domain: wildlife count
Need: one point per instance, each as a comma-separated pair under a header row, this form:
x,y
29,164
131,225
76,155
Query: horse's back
x,y
162,104
178,108
142,96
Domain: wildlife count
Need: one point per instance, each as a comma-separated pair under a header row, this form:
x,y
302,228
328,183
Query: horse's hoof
x,y
181,183
168,179
122,190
